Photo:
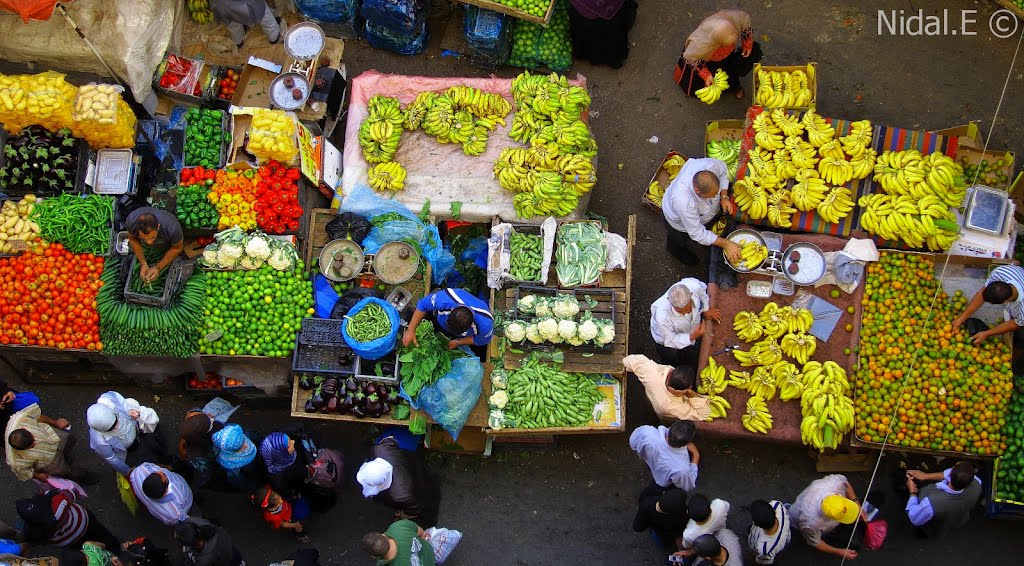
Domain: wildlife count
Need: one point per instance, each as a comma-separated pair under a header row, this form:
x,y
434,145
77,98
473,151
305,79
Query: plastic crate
x,y
366,369
116,172
81,165
321,332
225,127
172,283
333,358
604,310
523,290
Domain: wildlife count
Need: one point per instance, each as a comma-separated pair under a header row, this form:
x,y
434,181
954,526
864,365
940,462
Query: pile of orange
x,y
955,395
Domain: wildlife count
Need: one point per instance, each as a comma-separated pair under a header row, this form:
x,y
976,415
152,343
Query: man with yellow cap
x,y
821,508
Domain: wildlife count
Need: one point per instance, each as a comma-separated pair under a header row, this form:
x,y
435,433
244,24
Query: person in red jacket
x,y
724,40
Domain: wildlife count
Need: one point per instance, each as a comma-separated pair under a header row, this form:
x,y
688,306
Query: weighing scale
x,y
303,43
344,260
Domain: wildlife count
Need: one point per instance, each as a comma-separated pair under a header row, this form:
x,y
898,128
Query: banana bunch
x,y
476,143
711,94
655,192
757,418
835,170
568,137
673,164
790,124
728,151
199,11
781,89
780,209
864,164
788,380
479,103
766,133
762,383
381,131
761,166
389,176
739,379
747,325
825,405
801,153
752,255
417,110
719,406
809,191
774,320
798,320
578,174
836,206
526,124
525,86
763,353
925,222
784,166
750,198
819,132
859,139
799,346
712,379
910,173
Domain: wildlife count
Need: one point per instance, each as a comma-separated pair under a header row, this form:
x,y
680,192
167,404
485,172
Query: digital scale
x,y
987,224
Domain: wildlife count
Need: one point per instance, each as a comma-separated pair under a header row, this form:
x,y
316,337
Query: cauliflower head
x,y
258,247
587,330
498,399
606,332
565,306
515,331
281,259
533,335
548,329
567,329
542,307
527,304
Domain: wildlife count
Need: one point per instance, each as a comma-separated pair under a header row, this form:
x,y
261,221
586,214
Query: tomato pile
x,y
48,298
277,198
257,312
233,193
228,84
956,394
210,381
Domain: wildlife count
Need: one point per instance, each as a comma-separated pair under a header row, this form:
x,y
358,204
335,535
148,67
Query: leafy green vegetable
x,y
426,362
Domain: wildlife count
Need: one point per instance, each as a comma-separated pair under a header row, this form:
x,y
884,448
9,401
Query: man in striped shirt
x,y
56,518
1004,287
165,494
769,533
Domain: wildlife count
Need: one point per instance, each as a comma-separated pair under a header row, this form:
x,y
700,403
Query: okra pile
x,y
527,256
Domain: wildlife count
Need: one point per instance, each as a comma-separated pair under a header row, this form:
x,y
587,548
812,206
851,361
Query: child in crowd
x,y
281,513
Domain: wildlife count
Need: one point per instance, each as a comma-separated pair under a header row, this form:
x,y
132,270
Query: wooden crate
x,y
508,10
812,79
662,177
316,237
1009,5
620,418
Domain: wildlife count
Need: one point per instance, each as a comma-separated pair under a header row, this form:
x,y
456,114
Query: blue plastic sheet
x,y
365,202
389,39
324,296
451,399
374,349
330,11
402,17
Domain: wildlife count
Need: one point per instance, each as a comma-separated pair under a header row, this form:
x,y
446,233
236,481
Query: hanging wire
x,y
935,297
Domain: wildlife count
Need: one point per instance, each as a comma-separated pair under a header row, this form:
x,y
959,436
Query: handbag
x,y
874,534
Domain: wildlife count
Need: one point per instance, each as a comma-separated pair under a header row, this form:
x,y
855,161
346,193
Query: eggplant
x,y
369,388
358,411
351,385
317,398
360,399
383,390
310,406
332,404
393,397
347,404
306,382
374,406
330,386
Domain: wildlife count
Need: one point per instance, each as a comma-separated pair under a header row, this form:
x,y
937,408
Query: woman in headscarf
x,y
600,30
724,40
236,453
123,432
195,446
287,462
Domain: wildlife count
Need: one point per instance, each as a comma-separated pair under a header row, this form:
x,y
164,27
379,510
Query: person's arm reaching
x,y
972,307
55,423
1001,328
841,552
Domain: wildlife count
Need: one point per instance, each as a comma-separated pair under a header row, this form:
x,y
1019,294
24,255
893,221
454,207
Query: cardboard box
x,y
662,177
812,80
718,130
254,85
968,135
966,155
1016,192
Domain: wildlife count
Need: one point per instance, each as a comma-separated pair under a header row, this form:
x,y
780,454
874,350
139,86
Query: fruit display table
x,y
957,394
440,174
786,415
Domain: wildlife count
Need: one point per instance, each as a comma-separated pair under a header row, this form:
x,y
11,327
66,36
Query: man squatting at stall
x,y
463,317
154,236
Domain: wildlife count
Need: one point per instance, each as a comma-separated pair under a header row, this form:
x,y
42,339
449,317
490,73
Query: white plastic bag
x,y
617,250
444,542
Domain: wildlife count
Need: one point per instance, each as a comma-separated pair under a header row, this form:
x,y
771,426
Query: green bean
x,y
369,324
81,224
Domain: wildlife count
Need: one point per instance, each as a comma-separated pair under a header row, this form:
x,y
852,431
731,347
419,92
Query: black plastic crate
x,y
604,309
321,332
366,369
529,230
323,358
172,283
524,290
81,164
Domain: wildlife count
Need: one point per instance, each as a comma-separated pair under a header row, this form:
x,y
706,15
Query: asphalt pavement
x,y
574,503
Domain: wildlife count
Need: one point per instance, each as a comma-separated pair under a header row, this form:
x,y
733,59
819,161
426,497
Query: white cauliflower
x,y
258,247
556,339
548,329
575,341
532,334
567,329
565,306
543,307
606,332
515,331
210,255
499,379
249,262
281,259
229,254
527,304
587,330
496,419
498,399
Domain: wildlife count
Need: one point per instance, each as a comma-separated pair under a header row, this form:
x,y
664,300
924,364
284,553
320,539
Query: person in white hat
x,y
122,432
678,321
397,478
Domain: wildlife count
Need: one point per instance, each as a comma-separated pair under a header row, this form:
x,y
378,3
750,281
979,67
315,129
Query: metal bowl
x,y
304,41
281,94
742,236
811,265
342,260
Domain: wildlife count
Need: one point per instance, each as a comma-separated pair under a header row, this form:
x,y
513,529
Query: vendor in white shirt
x,y
691,203
677,321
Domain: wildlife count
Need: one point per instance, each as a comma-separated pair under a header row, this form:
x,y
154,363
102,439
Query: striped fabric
x,y
72,519
1014,275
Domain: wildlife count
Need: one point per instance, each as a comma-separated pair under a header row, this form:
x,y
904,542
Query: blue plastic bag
x,y
330,11
374,349
401,17
365,202
451,399
397,41
324,296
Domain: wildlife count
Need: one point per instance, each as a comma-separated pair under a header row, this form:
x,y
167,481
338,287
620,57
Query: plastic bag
x,y
444,542
374,349
272,136
874,534
97,103
324,296
485,29
533,44
329,11
404,17
348,226
616,254
127,495
450,399
350,299
385,38
363,201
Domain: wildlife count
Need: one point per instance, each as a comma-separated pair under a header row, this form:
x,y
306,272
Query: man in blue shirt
x,y
12,401
460,315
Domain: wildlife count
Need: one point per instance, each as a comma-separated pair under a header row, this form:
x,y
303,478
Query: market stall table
x,y
439,173
786,415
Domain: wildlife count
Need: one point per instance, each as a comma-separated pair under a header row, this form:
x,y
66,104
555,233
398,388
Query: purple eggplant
x,y
317,398
358,411
393,397
310,407
332,404
369,388
351,385
374,406
383,389
347,404
306,382
330,386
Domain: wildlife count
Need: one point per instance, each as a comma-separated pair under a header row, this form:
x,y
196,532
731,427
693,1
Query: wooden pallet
x,y
510,11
